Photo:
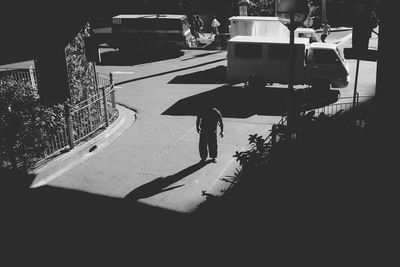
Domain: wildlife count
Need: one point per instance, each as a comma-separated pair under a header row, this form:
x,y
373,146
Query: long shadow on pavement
x,y
234,102
239,102
211,76
161,184
116,58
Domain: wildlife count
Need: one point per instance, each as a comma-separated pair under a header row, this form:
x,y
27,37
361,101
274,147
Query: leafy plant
x,y
258,153
26,124
81,73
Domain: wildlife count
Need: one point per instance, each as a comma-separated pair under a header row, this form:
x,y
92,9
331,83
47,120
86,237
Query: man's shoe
x,y
214,160
203,160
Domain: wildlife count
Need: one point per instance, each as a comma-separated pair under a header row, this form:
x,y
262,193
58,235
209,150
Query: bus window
x,y
248,50
278,51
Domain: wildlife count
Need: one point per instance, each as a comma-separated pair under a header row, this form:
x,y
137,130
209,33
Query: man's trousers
x,y
208,145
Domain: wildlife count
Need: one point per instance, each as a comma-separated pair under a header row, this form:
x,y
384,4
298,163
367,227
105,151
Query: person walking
x,y
198,25
214,26
206,124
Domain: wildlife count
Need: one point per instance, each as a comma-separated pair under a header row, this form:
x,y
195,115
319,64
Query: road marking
x,y
166,149
123,72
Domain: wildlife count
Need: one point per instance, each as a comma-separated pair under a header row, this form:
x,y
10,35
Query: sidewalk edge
x,y
84,151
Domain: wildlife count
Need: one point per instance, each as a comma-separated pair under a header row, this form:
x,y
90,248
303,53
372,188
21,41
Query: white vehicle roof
x,y
254,18
149,16
266,39
305,30
323,45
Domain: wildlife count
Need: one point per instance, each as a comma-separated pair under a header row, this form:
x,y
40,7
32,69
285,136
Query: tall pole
x,y
355,83
323,10
290,99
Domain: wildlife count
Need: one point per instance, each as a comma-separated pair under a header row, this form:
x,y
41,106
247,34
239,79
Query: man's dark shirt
x,y
208,121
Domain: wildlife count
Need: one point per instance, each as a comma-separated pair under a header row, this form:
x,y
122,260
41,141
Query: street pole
x,y
323,10
355,83
290,98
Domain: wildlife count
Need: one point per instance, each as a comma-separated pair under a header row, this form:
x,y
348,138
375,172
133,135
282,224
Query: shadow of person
x,y
161,184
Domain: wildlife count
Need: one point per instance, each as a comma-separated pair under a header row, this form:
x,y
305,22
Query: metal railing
x,y
24,75
86,117
343,104
82,121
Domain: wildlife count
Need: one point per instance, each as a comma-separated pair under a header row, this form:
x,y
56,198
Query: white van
x,y
266,26
268,58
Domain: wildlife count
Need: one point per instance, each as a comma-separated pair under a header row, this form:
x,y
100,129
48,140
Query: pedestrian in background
x,y
214,26
326,30
206,124
198,25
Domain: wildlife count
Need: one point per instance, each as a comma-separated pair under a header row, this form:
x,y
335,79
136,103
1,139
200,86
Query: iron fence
x,y
23,75
343,104
86,118
82,121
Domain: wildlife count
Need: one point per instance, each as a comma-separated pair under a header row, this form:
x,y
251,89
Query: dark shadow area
x,y
161,184
239,102
168,72
201,55
125,58
330,188
14,183
210,76
52,223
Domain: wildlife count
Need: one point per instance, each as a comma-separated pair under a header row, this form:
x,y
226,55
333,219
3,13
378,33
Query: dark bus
x,y
145,31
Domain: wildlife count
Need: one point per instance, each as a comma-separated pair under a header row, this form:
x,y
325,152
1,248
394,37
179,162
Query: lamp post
x,y
292,14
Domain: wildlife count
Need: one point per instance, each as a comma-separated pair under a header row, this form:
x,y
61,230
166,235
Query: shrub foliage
x,y
26,124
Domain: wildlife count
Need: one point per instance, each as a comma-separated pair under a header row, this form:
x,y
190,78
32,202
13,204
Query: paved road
x,y
155,160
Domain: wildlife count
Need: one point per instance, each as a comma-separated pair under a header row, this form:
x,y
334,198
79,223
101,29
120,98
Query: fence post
x,y
112,90
111,79
69,126
105,105
32,76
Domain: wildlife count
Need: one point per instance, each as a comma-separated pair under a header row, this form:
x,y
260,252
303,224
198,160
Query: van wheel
x,y
256,81
321,85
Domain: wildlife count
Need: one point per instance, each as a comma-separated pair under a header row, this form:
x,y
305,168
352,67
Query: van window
x,y
248,50
324,56
278,51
